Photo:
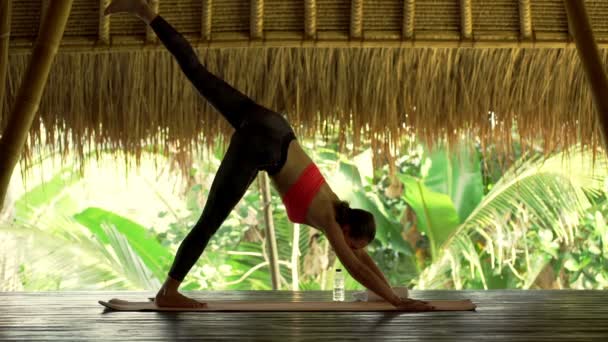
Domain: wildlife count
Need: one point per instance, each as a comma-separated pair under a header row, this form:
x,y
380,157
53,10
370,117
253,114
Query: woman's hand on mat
x,y
176,300
408,304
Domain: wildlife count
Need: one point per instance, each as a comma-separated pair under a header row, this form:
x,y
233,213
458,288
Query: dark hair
x,y
361,222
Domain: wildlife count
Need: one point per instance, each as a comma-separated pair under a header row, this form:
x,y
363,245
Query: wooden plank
x,y
512,315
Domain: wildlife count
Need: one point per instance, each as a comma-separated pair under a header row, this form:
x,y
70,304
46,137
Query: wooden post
x,y
409,10
356,19
591,61
466,21
295,254
525,19
271,239
256,22
5,33
30,92
151,37
310,19
206,20
104,23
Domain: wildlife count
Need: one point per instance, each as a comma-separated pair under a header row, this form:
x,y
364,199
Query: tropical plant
x,y
519,226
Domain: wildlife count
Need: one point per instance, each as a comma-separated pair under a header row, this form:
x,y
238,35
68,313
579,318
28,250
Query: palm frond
x,y
535,194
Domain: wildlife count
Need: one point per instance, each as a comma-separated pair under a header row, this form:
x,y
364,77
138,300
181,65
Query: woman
x,y
263,140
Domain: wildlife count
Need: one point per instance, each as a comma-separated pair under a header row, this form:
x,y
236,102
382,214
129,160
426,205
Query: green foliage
x,y
102,223
456,172
435,212
535,205
542,216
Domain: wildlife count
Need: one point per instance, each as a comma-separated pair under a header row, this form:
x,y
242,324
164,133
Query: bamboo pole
x,y
104,23
525,19
271,240
295,253
466,19
207,10
30,92
356,19
409,10
310,19
324,39
256,22
591,61
5,33
151,37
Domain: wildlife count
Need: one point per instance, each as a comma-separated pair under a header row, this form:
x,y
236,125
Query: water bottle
x,y
339,286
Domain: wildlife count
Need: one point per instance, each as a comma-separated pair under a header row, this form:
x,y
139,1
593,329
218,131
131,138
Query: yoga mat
x,y
440,305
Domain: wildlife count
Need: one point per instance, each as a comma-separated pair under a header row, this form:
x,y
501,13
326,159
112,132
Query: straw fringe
x,y
122,100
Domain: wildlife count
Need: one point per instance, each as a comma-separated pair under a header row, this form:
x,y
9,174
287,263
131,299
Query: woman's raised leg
x,y
231,103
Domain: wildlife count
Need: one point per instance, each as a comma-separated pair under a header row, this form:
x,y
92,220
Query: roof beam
x,y
466,19
104,23
256,22
356,19
525,19
150,35
409,10
310,19
206,13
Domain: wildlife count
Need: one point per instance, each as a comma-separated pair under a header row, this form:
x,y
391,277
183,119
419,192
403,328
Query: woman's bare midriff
x,y
321,206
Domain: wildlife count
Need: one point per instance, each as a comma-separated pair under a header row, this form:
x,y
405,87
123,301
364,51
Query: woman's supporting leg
x,y
236,172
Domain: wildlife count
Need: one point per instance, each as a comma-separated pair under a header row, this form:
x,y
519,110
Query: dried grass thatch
x,y
120,100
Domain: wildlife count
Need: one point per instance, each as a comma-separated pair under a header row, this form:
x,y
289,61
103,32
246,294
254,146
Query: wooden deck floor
x,y
501,316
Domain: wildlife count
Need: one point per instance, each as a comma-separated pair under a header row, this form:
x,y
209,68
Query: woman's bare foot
x,y
128,6
177,300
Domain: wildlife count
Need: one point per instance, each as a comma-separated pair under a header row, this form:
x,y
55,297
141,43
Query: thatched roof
x,y
385,66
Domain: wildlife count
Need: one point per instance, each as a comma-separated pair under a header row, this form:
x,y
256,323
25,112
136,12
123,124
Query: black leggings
x,y
260,142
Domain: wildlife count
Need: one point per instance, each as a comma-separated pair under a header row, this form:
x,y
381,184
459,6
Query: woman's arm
x,y
369,262
357,269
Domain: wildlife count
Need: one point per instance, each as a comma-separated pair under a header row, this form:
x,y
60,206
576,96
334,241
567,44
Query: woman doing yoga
x,y
263,140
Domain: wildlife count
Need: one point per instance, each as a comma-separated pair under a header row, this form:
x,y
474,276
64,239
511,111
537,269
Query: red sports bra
x,y
299,196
